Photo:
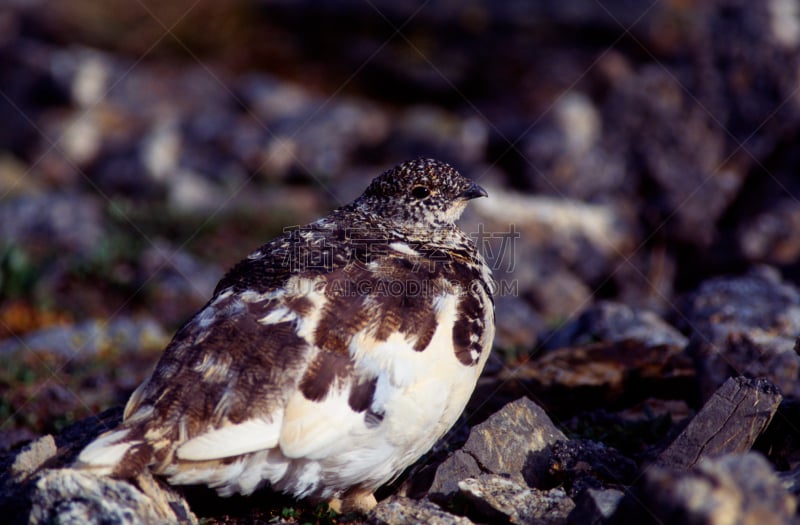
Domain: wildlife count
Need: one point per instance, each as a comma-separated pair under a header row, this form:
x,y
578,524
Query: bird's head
x,y
419,194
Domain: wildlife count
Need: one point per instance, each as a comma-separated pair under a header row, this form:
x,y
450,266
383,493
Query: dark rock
x,y
460,465
780,442
502,444
594,506
401,511
501,500
12,437
729,422
680,157
638,431
603,375
745,326
581,464
729,489
695,161
612,322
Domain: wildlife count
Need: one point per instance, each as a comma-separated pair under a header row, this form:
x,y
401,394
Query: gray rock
x,y
503,443
402,511
33,456
66,221
517,324
304,131
548,248
68,496
745,326
500,499
441,133
181,282
771,235
91,337
570,158
609,321
594,506
735,489
729,422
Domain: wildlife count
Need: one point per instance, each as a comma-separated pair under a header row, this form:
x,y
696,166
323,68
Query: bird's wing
x,y
221,385
326,398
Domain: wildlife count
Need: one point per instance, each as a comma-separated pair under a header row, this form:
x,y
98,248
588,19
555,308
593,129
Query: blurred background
x,y
631,149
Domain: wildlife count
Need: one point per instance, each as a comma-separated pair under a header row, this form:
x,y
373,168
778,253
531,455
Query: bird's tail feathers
x,y
111,454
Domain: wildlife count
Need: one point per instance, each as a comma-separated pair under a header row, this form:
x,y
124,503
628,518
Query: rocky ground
x,y
642,225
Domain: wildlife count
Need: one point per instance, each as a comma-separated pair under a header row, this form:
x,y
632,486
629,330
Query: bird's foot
x,y
354,500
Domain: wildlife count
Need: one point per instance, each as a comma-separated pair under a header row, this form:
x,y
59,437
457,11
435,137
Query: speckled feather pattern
x,y
330,358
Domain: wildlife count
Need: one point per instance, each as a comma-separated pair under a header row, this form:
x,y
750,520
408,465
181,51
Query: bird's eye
x,y
420,192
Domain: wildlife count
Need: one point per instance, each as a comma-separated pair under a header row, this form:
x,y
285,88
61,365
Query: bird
x,y
328,360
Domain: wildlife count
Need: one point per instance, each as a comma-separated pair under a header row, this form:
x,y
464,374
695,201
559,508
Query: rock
x,y
441,133
517,324
65,221
20,470
570,158
737,489
613,322
503,443
13,436
14,179
594,506
685,148
791,481
67,496
33,456
460,465
91,337
603,375
501,500
549,248
570,229
578,464
558,294
694,159
319,134
729,422
780,442
745,326
180,282
770,236
401,511
638,432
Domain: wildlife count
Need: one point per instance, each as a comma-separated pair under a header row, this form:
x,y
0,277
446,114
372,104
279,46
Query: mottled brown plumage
x,y
327,360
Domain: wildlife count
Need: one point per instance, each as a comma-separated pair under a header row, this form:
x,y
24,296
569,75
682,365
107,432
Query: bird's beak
x,y
473,192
